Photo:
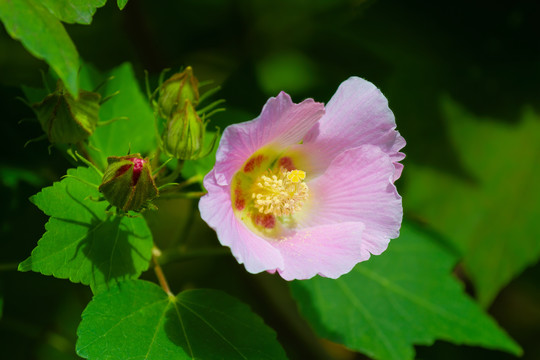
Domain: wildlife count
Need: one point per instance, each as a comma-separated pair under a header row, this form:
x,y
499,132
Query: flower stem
x,y
174,174
85,154
192,180
186,195
156,253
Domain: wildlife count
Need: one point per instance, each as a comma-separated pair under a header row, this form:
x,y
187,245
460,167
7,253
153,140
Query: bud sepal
x,y
66,120
176,90
128,183
183,137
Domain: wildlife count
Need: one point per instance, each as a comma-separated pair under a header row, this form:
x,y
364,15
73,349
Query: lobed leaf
x,y
138,320
43,36
405,296
492,216
83,242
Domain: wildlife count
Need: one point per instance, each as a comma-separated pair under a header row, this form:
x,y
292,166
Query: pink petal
x,y
281,122
358,114
358,186
254,252
327,250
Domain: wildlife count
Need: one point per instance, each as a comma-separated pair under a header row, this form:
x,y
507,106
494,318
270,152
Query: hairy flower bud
x,y
184,134
128,183
67,120
176,90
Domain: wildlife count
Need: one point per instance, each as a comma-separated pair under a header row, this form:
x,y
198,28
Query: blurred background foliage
x,y
461,77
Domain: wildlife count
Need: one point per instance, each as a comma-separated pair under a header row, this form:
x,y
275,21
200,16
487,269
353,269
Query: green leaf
x,y
136,133
493,215
121,4
84,243
403,297
74,11
43,36
137,320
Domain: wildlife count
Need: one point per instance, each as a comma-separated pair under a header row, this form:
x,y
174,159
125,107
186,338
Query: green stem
x,y
177,186
186,195
156,254
192,180
157,170
155,160
174,174
87,159
156,130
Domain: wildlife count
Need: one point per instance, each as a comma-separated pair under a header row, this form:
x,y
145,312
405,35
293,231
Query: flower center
x,y
280,192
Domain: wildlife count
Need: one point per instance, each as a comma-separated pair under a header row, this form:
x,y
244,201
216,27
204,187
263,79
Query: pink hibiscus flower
x,y
304,190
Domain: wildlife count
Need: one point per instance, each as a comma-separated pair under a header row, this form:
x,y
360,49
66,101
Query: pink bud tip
x,y
137,168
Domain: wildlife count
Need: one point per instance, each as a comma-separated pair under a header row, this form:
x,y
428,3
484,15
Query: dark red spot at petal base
x,y
239,202
286,163
253,163
268,221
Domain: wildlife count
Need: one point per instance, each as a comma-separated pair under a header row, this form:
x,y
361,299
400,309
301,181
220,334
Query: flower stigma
x,y
280,192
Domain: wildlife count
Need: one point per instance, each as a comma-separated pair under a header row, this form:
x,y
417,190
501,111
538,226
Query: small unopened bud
x,y
184,134
66,120
176,90
128,183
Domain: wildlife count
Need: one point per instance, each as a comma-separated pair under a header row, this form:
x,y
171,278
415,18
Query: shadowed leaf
x,y
84,243
137,320
492,216
403,297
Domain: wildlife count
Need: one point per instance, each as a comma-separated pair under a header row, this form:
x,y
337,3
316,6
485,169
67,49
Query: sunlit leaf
x,y
43,36
138,320
403,297
74,11
493,215
83,242
121,4
136,133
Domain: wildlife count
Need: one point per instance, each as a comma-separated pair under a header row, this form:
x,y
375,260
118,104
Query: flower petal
x,y
327,250
358,114
254,252
358,186
281,122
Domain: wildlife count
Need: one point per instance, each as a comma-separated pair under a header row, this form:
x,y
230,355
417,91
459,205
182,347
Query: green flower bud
x,y
128,183
176,90
66,120
184,134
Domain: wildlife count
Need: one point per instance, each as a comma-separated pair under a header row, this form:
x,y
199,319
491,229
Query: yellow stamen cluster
x,y
280,193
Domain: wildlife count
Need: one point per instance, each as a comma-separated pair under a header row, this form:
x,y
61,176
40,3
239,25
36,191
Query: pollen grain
x,y
281,192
